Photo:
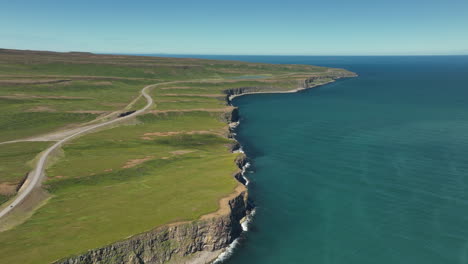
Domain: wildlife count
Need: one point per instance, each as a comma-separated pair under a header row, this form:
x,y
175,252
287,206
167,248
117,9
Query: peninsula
x,y
126,159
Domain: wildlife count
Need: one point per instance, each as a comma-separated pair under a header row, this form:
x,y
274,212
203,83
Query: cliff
x,y
200,241
306,83
191,242
196,242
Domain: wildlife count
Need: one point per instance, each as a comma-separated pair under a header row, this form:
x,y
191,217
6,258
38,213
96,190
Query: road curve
x,y
35,178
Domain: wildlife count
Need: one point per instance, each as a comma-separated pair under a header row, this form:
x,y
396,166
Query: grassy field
x,y
34,109
86,212
15,159
95,153
15,164
170,164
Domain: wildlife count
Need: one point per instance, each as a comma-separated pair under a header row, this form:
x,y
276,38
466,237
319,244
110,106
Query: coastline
x,y
245,164
231,97
213,237
207,213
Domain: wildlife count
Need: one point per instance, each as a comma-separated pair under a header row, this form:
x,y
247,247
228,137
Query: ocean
x,y
365,170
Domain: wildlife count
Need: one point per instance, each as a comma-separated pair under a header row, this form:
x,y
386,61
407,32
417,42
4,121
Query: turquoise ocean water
x,y
362,171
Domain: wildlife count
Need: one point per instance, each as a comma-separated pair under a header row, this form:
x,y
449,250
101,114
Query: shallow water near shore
x,y
366,170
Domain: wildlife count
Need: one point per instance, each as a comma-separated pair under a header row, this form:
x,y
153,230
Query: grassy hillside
x,y
170,164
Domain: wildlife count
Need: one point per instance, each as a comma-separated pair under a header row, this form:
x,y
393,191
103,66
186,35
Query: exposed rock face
x,y
232,116
306,83
241,162
173,243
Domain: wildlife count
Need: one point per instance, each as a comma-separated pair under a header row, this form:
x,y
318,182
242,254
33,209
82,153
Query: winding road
x,y
35,178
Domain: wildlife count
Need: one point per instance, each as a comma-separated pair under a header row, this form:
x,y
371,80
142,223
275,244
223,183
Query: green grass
x,y
27,124
87,212
139,67
14,159
96,153
96,197
4,198
219,86
75,95
138,104
176,103
88,198
175,121
29,112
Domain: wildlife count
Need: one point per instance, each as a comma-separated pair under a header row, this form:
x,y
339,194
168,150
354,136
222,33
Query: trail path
x,y
35,178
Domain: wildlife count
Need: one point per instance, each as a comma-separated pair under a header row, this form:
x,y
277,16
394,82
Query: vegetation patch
x,y
15,160
28,124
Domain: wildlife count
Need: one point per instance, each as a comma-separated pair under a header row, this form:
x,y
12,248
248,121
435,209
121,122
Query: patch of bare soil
x,y
88,112
37,198
54,136
215,110
103,83
8,188
159,100
23,81
196,95
224,207
81,77
176,88
148,136
41,109
181,152
134,162
115,104
27,96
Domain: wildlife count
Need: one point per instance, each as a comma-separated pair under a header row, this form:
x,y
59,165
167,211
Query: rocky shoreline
x,y
308,83
203,240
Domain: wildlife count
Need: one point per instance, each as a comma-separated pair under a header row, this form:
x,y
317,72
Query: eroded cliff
x,y
200,241
176,243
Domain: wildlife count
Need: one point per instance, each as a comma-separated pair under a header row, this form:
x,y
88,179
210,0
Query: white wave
x,y
247,221
230,249
246,180
227,252
234,124
240,150
244,170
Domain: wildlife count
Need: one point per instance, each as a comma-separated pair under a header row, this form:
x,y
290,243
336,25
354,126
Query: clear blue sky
x,y
293,27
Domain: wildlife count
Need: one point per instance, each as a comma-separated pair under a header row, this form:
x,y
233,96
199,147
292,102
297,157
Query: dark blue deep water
x,y
362,171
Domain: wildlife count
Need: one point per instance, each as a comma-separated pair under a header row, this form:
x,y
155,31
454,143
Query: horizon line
x,y
239,54
294,55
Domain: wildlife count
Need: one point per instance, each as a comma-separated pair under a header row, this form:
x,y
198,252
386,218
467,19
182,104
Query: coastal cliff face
x,y
175,243
200,241
196,242
306,83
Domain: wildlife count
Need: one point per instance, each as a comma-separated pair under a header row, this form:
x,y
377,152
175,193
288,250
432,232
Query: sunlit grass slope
x,y
170,164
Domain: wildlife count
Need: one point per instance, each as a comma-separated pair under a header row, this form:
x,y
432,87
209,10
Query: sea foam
x,y
244,170
230,249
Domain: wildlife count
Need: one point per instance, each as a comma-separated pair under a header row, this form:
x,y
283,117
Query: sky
x,y
248,27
